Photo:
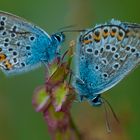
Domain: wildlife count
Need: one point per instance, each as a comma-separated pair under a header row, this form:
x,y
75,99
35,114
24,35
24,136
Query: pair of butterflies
x,y
105,54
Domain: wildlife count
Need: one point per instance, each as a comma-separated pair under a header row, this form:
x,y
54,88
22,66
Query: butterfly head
x,y
58,38
97,101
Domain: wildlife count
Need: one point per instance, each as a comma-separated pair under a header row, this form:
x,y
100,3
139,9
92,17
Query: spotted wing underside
x,y
112,50
20,44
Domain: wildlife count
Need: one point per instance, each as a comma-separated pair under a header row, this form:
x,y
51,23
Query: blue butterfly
x,y
24,46
105,55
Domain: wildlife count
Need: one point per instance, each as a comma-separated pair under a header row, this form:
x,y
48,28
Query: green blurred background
x,y
19,121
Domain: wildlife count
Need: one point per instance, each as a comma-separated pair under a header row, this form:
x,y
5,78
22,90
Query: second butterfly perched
x,y
105,55
24,46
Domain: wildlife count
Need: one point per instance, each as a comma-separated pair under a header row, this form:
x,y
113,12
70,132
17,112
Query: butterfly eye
x,y
58,38
96,101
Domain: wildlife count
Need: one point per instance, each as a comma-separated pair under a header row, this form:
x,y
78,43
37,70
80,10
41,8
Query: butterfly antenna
x,y
74,30
113,112
67,27
106,117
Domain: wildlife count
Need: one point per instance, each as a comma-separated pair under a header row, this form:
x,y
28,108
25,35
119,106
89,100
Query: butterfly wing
x,y
22,45
105,55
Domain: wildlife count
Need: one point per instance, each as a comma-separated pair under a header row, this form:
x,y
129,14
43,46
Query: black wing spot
x,y
108,47
10,49
32,38
113,49
116,56
7,40
127,48
101,50
1,28
15,60
105,75
18,44
133,50
116,66
3,18
28,47
97,67
23,64
82,57
89,50
6,44
13,35
4,33
14,53
2,23
96,52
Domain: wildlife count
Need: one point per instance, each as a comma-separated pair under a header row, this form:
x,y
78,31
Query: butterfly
x,y
105,54
24,46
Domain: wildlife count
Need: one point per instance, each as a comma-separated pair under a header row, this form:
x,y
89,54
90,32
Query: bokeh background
x,y
19,121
